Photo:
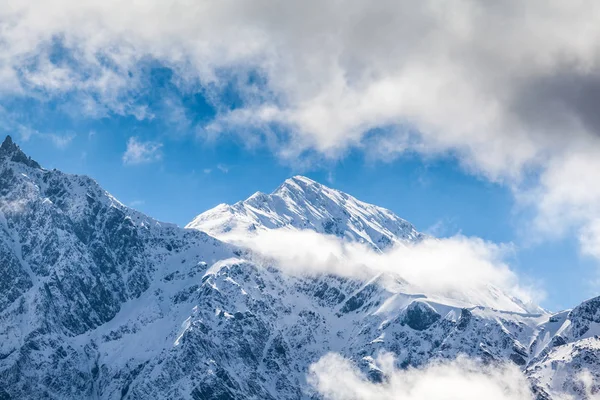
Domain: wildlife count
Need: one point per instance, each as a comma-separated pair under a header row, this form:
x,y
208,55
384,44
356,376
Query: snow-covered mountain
x,y
98,301
301,203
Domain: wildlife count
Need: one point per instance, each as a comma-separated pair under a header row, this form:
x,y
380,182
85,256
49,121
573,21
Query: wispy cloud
x,y
139,152
136,203
336,378
60,141
442,228
330,177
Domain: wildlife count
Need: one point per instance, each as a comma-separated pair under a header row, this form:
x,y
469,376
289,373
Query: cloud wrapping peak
x,y
509,87
469,270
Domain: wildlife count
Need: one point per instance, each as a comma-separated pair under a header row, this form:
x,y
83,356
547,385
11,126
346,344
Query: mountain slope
x,y
301,203
98,301
72,256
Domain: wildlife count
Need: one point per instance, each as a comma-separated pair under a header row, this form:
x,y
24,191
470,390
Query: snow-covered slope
x,y
98,301
71,259
301,203
565,350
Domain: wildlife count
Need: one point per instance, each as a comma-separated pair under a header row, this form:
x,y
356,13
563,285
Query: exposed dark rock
x,y
420,316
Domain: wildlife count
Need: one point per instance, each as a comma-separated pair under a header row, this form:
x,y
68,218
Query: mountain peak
x,y
10,151
8,143
302,179
301,203
297,183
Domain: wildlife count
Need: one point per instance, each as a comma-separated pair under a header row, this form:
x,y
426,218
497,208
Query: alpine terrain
x,y
98,301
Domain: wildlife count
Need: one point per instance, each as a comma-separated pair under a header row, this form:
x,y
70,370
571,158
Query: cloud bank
x,y
461,268
336,378
510,88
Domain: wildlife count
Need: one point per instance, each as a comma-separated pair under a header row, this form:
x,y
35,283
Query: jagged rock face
x,y
585,319
15,281
10,151
420,316
253,332
570,347
99,301
70,257
561,369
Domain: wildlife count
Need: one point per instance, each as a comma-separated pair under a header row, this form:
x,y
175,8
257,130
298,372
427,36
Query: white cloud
x,y
509,87
567,198
336,378
466,269
139,152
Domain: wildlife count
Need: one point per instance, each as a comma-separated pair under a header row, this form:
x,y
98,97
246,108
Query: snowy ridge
x,y
98,301
301,203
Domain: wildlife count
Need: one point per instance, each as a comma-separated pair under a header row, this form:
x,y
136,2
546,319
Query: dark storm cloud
x,y
560,102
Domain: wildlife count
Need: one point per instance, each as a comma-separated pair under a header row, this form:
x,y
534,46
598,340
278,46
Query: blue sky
x,y
439,113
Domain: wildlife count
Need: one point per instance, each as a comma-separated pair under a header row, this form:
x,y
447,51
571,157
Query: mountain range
x,y
99,301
